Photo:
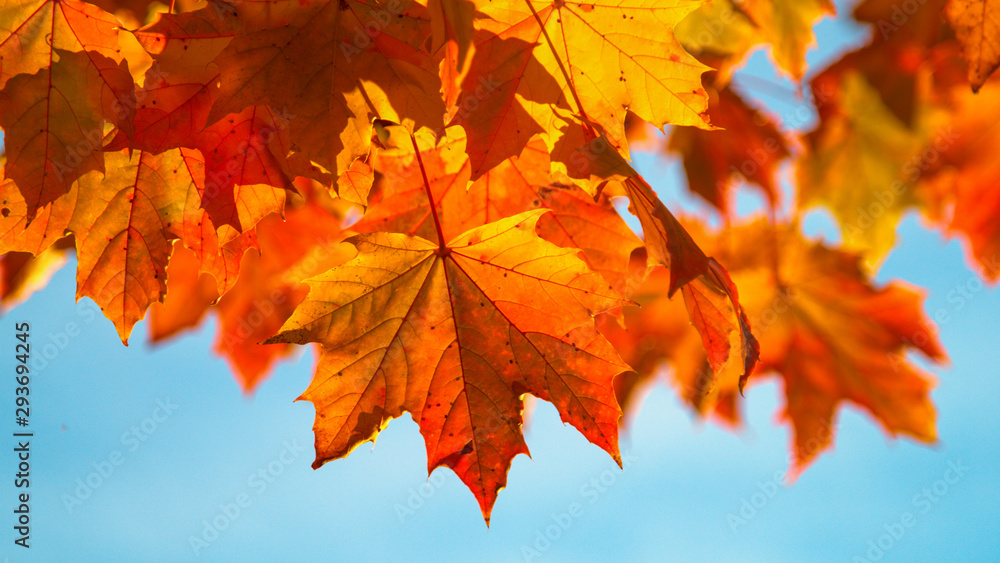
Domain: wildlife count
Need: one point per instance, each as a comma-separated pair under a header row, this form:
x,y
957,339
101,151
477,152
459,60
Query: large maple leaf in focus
x,y
454,334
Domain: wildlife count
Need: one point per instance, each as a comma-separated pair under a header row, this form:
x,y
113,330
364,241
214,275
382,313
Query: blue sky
x,y
147,478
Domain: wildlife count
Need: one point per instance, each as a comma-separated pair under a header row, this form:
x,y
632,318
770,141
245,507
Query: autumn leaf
x,y
333,65
542,64
18,234
69,76
724,32
861,163
453,31
832,335
719,30
128,10
751,147
958,190
977,25
173,103
122,223
920,26
576,219
53,122
189,295
33,32
657,334
246,168
711,297
455,334
355,184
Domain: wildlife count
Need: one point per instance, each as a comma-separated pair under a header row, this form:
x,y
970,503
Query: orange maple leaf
x,y
455,333
62,74
750,146
551,65
977,25
363,59
824,328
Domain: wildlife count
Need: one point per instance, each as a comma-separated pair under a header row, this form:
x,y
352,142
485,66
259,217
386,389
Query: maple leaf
x,y
977,25
576,219
860,164
922,26
53,122
958,188
176,96
455,333
890,68
719,29
18,233
309,241
824,328
61,75
833,336
189,295
123,223
656,333
363,58
730,30
355,184
32,32
453,31
751,147
123,227
128,10
540,65
218,255
244,156
246,167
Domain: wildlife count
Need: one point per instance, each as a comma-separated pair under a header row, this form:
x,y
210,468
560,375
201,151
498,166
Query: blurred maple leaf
x,y
824,328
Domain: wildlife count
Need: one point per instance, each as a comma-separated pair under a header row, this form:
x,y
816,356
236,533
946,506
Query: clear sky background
x,y
677,500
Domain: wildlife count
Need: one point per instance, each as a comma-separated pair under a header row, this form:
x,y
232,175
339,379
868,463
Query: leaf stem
x,y
442,249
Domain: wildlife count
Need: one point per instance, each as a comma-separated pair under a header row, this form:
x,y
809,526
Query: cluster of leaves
x,y
423,189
